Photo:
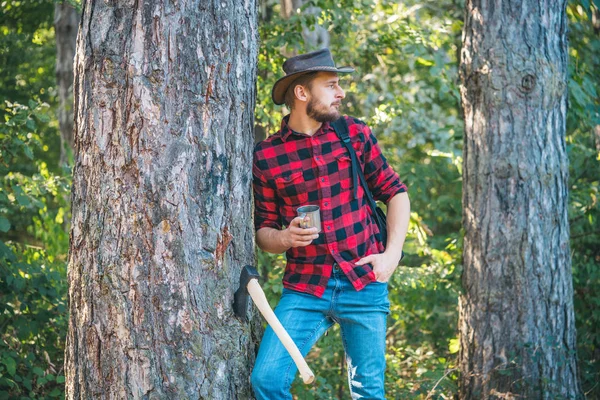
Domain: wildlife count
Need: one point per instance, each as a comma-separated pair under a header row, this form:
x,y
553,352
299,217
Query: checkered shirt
x,y
292,169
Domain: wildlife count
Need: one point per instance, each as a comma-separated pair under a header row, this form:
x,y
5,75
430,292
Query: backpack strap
x,y
341,129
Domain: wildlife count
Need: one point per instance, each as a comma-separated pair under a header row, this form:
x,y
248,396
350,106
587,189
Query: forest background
x,y
406,88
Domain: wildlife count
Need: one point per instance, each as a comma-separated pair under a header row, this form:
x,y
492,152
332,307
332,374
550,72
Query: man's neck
x,y
302,123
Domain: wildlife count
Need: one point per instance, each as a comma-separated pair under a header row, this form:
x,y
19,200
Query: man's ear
x,y
301,93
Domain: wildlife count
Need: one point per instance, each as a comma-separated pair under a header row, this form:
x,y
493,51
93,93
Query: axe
x,y
249,285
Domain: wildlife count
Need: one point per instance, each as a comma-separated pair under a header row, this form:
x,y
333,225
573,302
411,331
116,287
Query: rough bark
x,y
161,203
517,324
66,21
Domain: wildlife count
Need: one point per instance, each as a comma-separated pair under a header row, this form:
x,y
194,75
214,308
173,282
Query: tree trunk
x,y
66,21
517,324
162,205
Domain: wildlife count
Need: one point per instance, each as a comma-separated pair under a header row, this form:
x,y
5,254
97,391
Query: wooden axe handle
x,y
259,298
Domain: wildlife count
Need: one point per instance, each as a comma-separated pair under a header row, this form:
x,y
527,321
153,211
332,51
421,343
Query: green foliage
x,y
33,248
583,147
27,52
34,207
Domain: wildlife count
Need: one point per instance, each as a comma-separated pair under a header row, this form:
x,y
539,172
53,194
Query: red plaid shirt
x,y
292,169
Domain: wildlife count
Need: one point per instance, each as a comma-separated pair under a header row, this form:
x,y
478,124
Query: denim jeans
x,y
362,316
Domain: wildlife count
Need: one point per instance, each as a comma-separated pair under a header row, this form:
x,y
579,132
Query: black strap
x,y
341,129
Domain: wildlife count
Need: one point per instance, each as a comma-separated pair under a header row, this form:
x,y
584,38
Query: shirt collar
x,y
286,131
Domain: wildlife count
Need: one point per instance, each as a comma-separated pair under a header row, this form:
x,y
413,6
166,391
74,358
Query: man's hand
x,y
384,264
296,236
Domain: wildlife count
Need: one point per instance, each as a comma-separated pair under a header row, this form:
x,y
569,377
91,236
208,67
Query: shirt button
x,y
322,179
328,228
326,203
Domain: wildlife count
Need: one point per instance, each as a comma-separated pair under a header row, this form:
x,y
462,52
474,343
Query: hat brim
x,y
281,86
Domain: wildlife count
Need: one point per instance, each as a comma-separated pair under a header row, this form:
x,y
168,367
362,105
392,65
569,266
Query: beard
x,y
317,111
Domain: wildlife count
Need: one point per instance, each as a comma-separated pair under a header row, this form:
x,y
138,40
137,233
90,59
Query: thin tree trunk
x,y
161,225
66,21
315,38
517,324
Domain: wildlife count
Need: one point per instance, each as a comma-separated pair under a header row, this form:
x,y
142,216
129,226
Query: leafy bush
x,y
33,245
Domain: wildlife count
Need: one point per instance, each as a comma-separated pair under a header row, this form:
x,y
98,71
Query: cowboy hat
x,y
294,67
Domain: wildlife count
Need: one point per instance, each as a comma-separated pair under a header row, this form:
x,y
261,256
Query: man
x,y
341,274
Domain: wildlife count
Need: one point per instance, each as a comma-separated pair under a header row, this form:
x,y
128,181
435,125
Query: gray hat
x,y
294,67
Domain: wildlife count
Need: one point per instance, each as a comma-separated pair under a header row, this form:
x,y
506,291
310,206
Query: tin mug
x,y
314,216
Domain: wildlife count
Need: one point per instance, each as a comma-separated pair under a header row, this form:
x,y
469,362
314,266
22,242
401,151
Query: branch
x,y
585,234
438,382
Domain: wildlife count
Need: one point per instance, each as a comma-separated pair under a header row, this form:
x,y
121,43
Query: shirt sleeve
x,y
265,200
383,181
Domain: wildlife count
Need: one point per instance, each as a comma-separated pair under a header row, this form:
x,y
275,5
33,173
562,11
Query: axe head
x,y
241,296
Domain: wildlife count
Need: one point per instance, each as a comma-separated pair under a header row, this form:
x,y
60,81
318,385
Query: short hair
x,y
303,80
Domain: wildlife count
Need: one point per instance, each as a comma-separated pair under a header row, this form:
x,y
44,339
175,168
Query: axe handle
x,y
259,298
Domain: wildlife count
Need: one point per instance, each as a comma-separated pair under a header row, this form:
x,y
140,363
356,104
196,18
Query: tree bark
x,y
66,21
517,325
161,204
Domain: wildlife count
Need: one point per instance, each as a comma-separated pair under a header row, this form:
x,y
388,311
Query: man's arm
x,y
398,217
269,236
278,241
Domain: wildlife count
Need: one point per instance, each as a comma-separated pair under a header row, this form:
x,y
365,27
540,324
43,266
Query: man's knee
x,y
258,379
269,383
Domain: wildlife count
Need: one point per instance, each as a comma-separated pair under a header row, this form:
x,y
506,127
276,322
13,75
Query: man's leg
x,y
304,318
362,316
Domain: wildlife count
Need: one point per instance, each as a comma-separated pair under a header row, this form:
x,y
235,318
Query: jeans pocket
x,y
380,283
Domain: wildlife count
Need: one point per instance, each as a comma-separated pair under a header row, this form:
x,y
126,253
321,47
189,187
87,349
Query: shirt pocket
x,y
344,157
291,187
344,167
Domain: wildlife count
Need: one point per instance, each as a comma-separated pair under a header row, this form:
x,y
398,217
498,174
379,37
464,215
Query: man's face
x,y
325,97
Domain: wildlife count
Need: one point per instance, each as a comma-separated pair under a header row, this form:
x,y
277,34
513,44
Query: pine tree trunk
x,y
517,324
161,203
66,22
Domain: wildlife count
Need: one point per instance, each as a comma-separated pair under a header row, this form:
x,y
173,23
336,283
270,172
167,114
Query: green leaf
x,y
60,379
30,124
38,371
4,224
22,198
453,346
42,117
28,152
6,252
10,363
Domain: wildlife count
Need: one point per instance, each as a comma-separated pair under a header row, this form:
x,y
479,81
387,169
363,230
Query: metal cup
x,y
314,216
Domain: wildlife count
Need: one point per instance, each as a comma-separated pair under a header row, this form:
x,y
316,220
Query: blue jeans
x,y
362,316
